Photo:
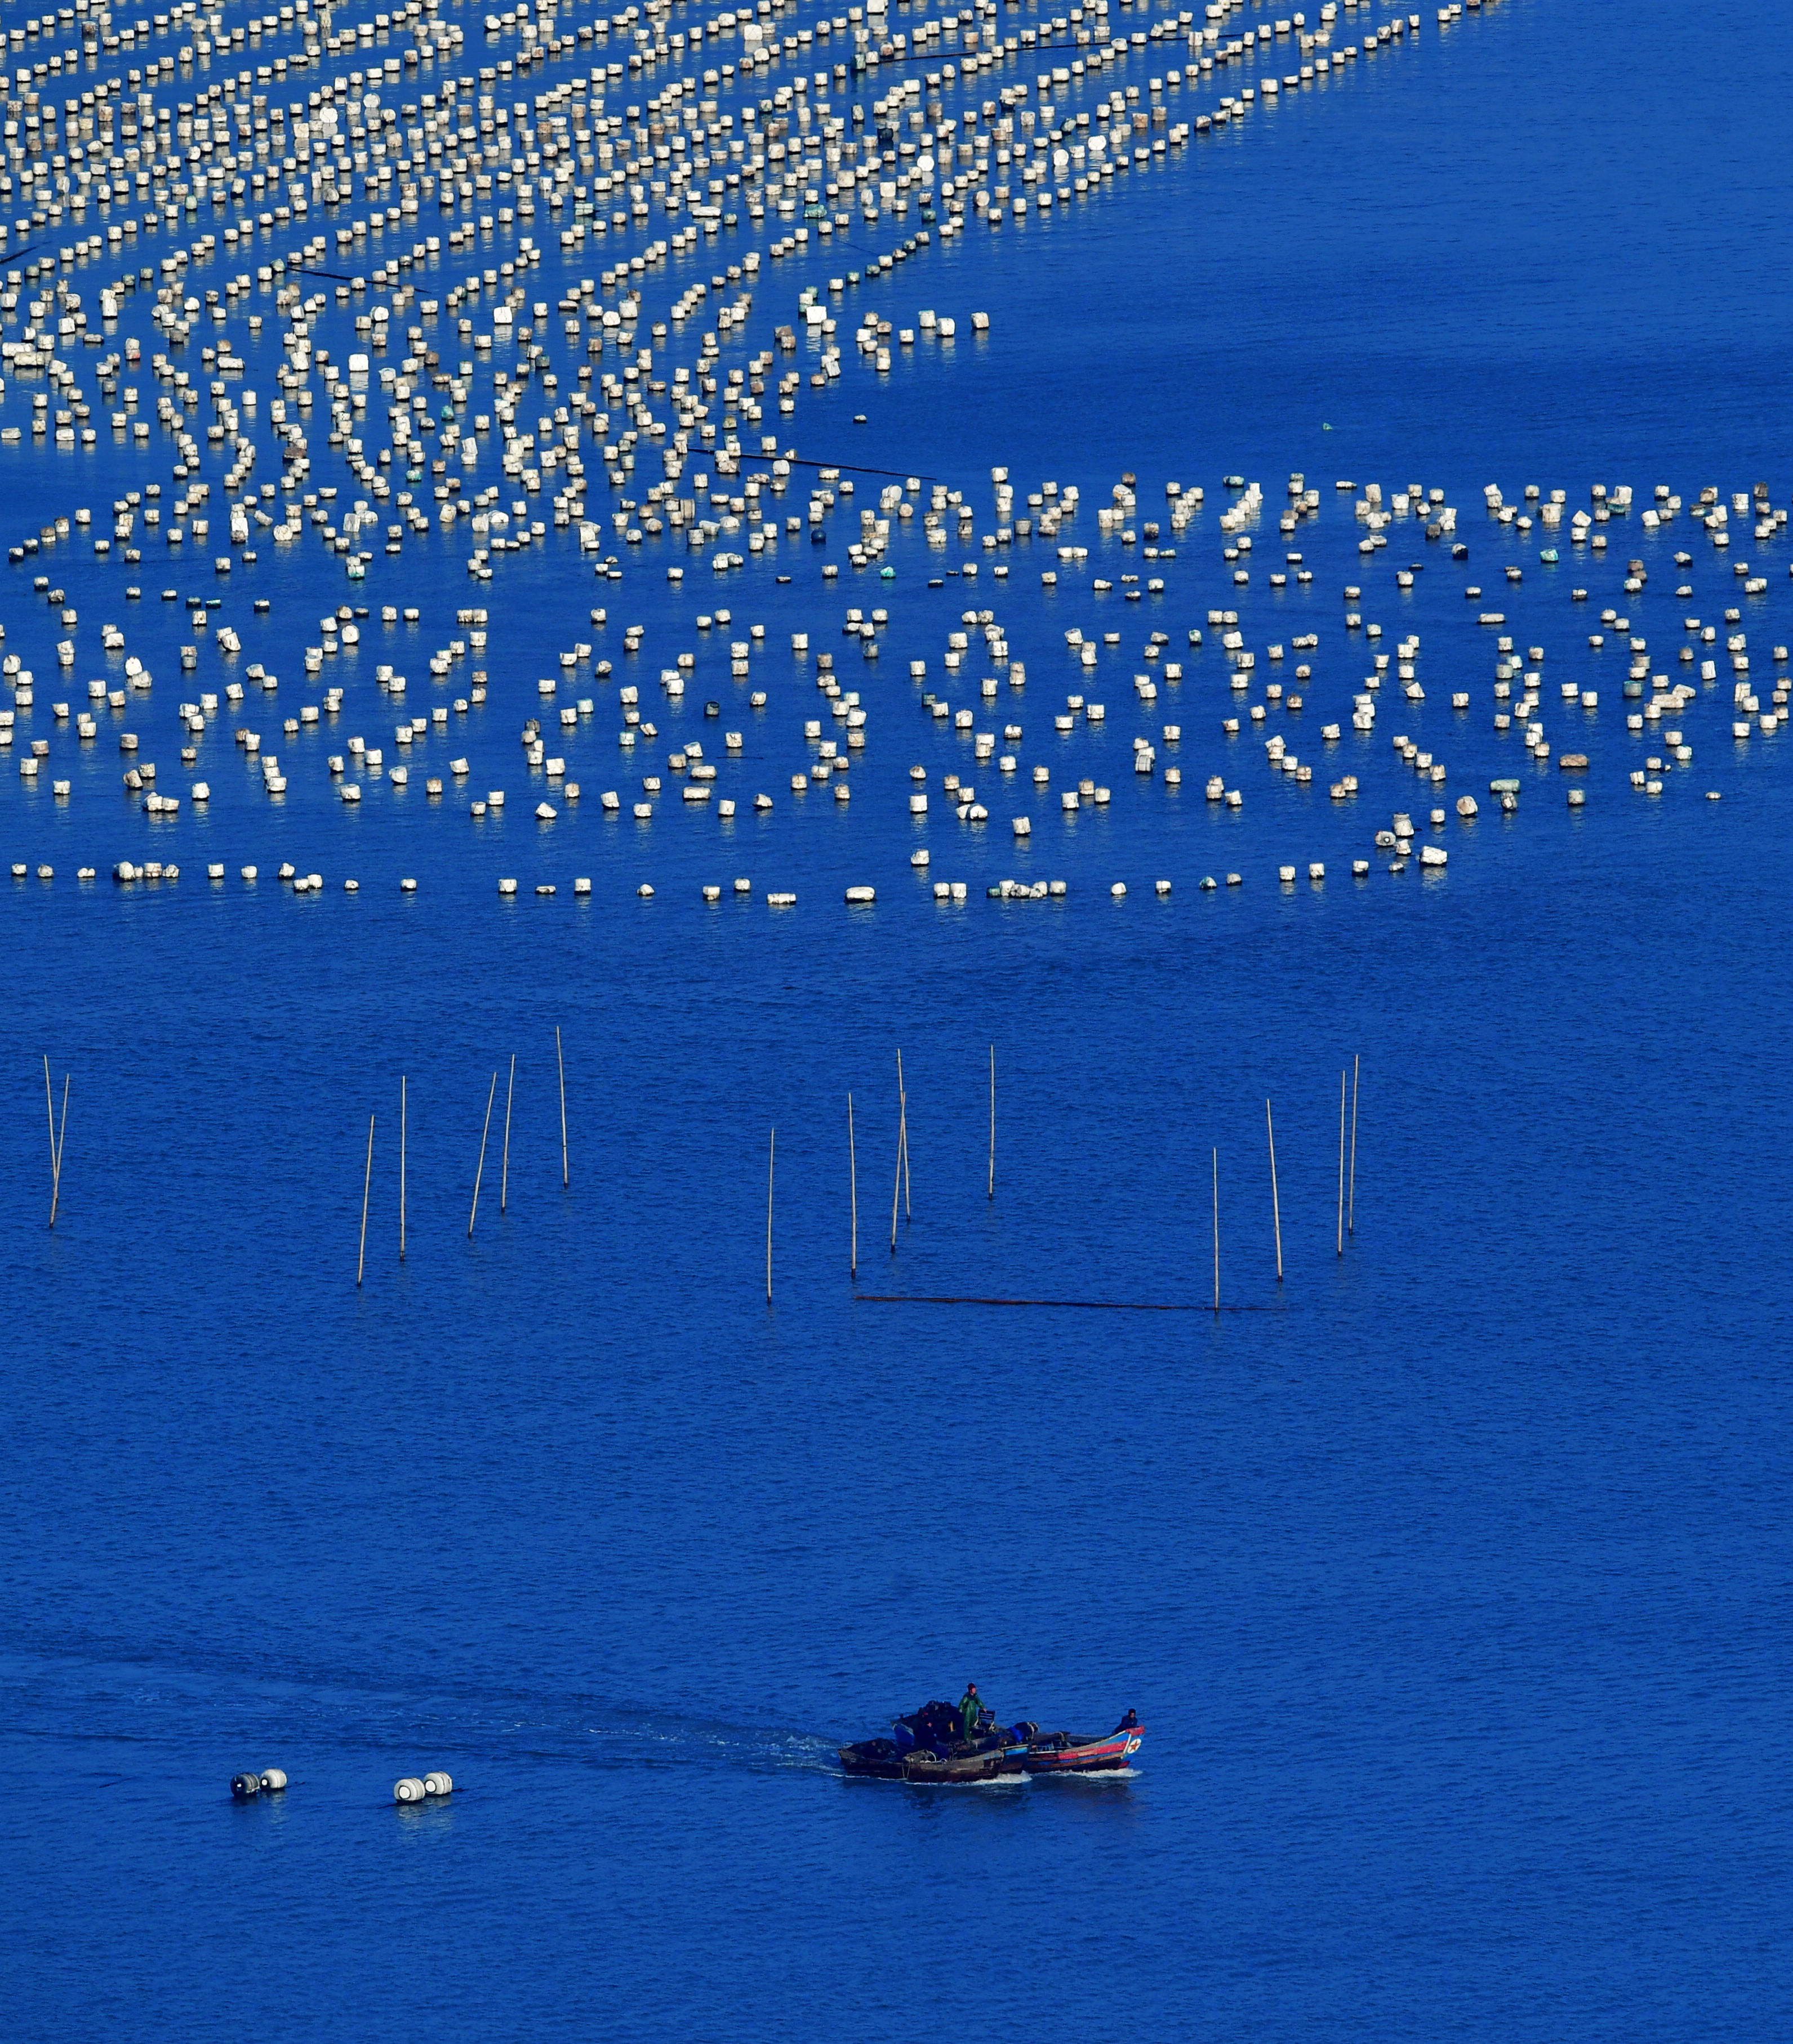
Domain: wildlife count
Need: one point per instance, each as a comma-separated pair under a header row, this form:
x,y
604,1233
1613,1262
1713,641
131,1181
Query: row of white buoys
x,y
265,1781
507,887
419,1788
1009,890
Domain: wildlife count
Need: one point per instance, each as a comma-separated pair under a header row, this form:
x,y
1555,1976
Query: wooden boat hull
x,y
1086,1756
953,1770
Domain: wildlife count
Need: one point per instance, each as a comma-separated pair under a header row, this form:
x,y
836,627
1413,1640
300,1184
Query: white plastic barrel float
x,y
409,1788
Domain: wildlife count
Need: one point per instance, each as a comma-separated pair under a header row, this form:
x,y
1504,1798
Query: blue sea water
x,y
1449,1578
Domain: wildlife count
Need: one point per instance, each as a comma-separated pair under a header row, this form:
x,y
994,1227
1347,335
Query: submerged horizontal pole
x,y
1070,1305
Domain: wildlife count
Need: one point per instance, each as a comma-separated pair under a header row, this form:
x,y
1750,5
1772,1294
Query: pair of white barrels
x,y
247,1783
414,1788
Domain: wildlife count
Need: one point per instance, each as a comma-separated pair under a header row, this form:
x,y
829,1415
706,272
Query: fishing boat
x,y
883,1760
929,1745
1064,1753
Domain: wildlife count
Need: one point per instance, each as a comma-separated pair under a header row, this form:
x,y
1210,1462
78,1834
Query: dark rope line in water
x,y
1079,1305
942,57
855,468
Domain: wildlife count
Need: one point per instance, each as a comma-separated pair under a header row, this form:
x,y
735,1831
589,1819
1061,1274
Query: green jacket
x,y
970,1706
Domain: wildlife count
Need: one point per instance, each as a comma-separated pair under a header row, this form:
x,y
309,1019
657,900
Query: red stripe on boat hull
x,y
1116,1751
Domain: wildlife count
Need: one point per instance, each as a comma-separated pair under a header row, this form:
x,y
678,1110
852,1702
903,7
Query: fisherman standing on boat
x,y
971,1709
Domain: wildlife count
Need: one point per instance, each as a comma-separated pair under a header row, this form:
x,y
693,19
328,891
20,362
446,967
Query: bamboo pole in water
x,y
902,1125
896,1189
1351,1206
852,1185
902,1148
1342,1163
481,1172
566,1178
992,1193
403,1120
50,1109
366,1186
1275,1202
504,1175
771,1162
62,1137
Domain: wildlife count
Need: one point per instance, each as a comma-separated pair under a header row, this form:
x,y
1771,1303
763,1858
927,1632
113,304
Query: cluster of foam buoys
x,y
272,1781
646,361
420,1787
